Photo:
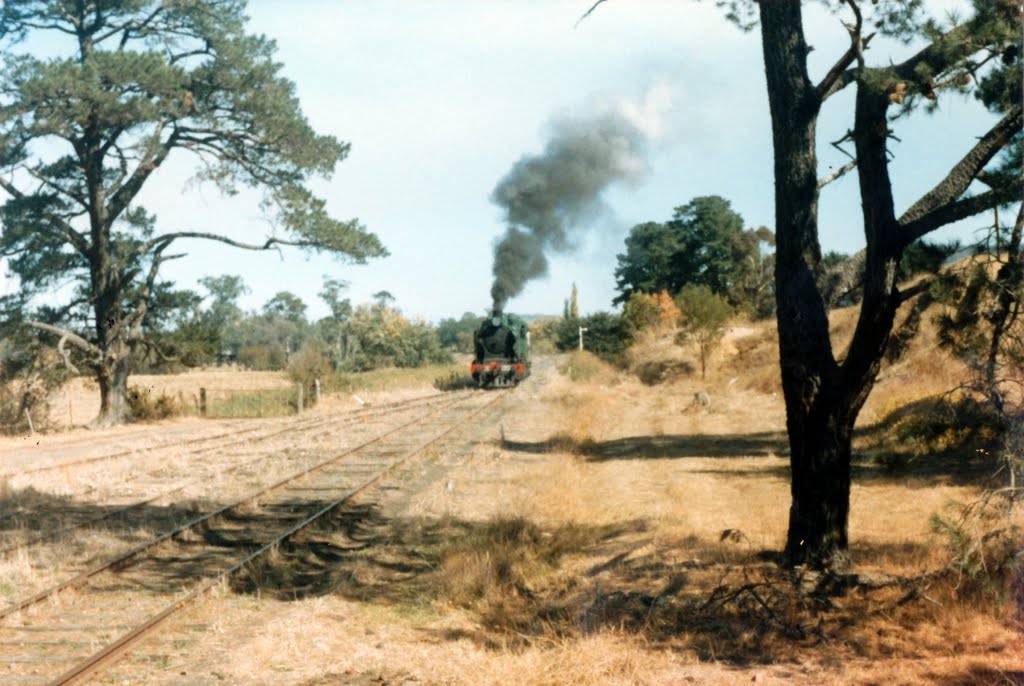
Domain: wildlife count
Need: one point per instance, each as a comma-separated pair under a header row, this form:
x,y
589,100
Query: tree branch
x,y
960,209
74,237
938,55
915,290
65,354
68,336
842,279
588,13
81,200
142,307
124,195
965,171
838,77
169,237
826,180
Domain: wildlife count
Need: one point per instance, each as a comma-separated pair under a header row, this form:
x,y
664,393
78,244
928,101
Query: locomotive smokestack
x,y
547,196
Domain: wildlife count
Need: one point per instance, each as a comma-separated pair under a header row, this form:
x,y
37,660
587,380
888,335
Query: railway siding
x,y
120,602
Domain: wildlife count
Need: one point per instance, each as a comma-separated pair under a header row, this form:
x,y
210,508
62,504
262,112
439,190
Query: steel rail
x,y
343,421
314,421
86,575
115,650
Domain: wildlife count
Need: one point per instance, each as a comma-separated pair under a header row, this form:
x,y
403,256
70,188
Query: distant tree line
x,y
206,328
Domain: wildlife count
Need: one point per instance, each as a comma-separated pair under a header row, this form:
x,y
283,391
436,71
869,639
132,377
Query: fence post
x,y
31,429
202,402
259,403
316,391
298,404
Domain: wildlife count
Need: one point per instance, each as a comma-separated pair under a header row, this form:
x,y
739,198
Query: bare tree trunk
x,y
113,383
818,422
820,486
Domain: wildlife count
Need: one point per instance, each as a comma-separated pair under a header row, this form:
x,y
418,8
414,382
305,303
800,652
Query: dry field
x,y
604,531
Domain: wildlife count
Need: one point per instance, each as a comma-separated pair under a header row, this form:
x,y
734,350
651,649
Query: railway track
x,y
232,437
69,632
54,521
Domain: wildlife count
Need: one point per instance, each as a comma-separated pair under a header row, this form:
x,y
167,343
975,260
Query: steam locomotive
x,y
501,351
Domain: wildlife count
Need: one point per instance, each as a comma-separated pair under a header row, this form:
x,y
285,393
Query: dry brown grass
x,y
78,401
660,570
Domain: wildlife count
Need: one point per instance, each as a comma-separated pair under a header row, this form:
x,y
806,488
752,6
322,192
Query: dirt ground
x,y
629,505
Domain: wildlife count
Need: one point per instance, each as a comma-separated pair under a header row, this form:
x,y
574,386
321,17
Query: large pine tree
x,y
134,82
825,391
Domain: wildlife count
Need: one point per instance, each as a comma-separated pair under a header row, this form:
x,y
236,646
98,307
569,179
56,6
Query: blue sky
x,y
439,99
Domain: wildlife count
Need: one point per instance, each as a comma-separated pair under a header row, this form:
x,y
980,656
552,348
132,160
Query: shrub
x,y
308,365
939,424
147,407
649,310
983,539
705,315
29,373
605,336
504,559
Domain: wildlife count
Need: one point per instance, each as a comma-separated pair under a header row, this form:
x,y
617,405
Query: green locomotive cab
x,y
501,351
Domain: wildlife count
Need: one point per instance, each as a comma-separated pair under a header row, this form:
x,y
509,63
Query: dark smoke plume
x,y
546,197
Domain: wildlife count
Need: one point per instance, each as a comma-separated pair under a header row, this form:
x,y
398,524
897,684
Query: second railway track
x,y
21,526
67,632
218,440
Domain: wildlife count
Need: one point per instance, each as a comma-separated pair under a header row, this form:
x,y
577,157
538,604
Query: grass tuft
x,y
270,402
454,381
508,557
585,366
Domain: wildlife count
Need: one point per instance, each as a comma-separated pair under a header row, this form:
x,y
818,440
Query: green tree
x,y
641,312
704,243
332,329
287,306
177,332
647,264
457,334
341,308
605,335
282,323
223,293
383,337
134,83
383,297
705,314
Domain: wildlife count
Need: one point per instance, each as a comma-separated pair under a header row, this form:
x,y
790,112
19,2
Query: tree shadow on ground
x,y
29,517
661,447
519,583
961,466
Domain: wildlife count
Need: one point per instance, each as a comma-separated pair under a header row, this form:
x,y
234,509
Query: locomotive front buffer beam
x,y
499,375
